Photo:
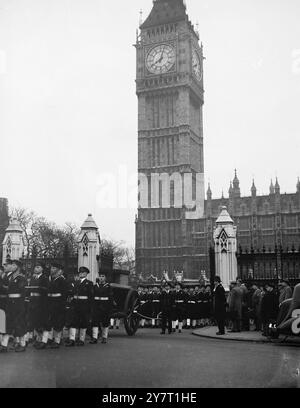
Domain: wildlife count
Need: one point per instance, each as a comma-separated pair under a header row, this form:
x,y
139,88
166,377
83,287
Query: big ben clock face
x,y
161,59
196,63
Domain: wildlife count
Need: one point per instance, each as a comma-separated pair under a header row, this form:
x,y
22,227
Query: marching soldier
x,y
179,299
82,297
186,299
200,301
15,310
37,294
103,303
56,307
190,306
70,304
142,301
166,303
7,272
155,305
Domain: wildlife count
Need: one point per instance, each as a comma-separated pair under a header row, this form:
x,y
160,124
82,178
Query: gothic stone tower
x,y
170,95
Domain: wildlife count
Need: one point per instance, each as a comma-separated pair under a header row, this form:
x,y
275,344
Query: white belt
x,y
155,301
101,298
54,295
35,295
179,301
143,302
81,297
15,296
191,301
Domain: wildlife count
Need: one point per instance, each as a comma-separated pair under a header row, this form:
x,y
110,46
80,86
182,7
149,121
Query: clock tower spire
x,y
170,91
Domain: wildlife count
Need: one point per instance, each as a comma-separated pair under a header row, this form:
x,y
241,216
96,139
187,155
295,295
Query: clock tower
x,y
169,85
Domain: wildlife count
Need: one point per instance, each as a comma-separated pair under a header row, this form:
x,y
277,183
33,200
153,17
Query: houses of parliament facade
x,y
170,91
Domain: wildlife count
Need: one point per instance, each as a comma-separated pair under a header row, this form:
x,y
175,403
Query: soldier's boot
x,y
21,346
3,349
82,335
70,343
20,349
55,345
95,335
104,335
57,339
41,346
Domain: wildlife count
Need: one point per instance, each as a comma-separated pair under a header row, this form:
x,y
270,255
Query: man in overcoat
x,y
219,305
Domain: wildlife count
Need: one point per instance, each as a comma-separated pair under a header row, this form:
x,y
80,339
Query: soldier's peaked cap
x,y
83,269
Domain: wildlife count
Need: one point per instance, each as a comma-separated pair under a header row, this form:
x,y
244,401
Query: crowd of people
x,y
42,308
175,307
50,310
246,307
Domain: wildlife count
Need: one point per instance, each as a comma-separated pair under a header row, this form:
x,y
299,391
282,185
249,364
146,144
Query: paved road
x,y
151,360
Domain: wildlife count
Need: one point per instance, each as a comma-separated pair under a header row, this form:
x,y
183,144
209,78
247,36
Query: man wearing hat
x,y
15,308
56,306
103,303
82,298
219,305
166,303
37,308
285,291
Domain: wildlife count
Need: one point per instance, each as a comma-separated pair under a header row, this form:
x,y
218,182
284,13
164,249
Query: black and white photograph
x,y
149,197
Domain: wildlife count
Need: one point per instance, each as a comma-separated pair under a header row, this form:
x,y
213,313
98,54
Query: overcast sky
x,y
68,110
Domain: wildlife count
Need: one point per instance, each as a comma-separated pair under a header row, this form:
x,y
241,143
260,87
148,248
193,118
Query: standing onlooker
x,y
235,307
256,306
245,305
269,308
285,291
219,305
166,302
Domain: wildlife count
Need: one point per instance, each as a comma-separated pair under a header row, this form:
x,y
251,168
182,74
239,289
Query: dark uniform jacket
x,y
155,304
102,304
220,303
56,303
83,292
15,309
269,306
103,297
166,301
37,292
3,294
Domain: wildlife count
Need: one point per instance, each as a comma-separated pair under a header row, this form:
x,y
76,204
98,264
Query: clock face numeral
x,y
161,59
196,63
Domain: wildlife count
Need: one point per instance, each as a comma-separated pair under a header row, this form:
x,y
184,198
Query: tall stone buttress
x,y
170,91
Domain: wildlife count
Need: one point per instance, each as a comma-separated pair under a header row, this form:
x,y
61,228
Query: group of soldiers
x,y
42,307
175,306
